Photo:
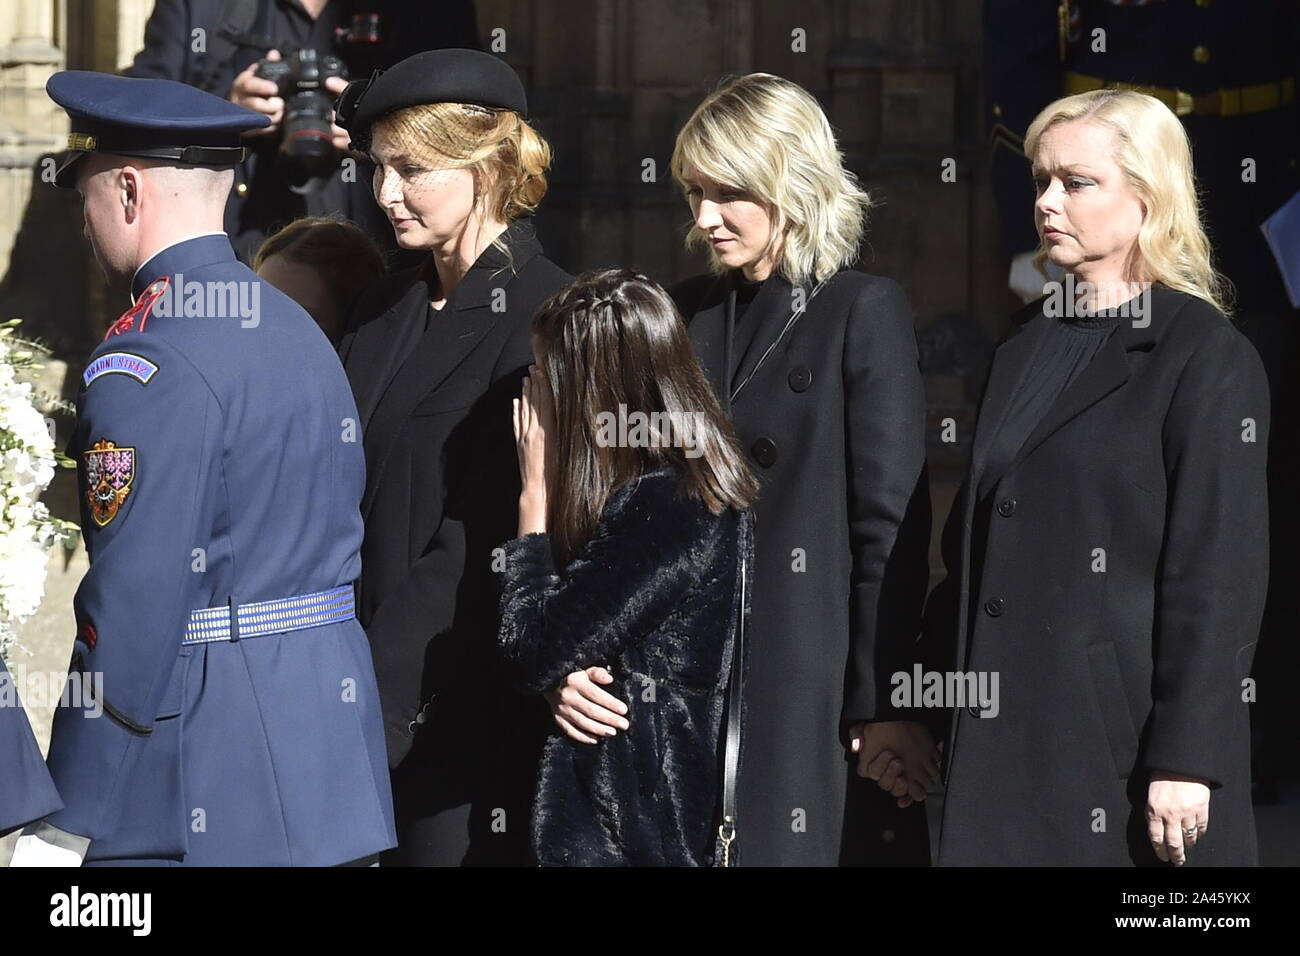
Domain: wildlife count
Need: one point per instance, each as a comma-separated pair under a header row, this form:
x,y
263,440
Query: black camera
x,y
307,148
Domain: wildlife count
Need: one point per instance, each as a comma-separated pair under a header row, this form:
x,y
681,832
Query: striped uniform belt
x,y
1231,102
211,624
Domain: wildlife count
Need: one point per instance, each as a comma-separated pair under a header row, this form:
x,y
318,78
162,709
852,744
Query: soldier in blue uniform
x,y
26,791
221,474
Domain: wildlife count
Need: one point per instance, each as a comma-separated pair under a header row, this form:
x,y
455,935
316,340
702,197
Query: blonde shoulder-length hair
x,y
768,137
1153,151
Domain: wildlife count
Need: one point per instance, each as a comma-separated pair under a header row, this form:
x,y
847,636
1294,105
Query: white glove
x,y
43,845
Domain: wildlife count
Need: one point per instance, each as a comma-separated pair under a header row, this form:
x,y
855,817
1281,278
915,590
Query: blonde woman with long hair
x,y
817,365
1108,554
435,355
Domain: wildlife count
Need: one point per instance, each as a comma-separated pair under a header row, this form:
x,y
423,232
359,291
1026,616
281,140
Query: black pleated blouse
x,y
1064,351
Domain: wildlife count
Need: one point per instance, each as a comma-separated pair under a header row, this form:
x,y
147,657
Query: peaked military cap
x,y
149,118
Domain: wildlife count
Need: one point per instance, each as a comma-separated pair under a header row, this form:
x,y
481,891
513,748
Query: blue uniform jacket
x,y
220,463
26,791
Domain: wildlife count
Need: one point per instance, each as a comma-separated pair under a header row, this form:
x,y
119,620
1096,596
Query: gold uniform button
x,y
1202,3
241,189
1201,54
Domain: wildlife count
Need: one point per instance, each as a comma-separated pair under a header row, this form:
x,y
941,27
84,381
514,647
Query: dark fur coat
x,y
652,598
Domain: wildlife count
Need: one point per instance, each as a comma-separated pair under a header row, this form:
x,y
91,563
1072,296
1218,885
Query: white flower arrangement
x,y
27,462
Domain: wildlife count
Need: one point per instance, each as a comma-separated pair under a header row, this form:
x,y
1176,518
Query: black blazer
x,y
442,489
834,420
1124,570
653,597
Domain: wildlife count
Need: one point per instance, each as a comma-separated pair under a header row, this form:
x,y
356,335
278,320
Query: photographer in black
x,y
289,59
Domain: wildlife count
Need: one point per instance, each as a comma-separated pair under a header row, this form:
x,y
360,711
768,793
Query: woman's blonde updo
x,y
509,157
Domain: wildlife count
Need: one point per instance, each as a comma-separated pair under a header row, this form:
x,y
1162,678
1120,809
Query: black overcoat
x,y
834,420
1125,561
442,491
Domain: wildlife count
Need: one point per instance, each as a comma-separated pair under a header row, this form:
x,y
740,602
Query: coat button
x,y
994,607
241,189
800,378
764,452
1007,507
1201,54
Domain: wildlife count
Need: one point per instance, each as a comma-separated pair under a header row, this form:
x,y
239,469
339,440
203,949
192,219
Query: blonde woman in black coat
x,y
817,365
1107,556
632,539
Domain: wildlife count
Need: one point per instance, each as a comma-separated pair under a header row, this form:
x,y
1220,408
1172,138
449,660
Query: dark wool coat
x,y
835,423
1152,461
442,491
653,597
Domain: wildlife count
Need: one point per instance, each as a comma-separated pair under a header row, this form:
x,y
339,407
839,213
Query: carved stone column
x,y
30,124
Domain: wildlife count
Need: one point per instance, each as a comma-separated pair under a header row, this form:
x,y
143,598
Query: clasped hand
x,y
900,755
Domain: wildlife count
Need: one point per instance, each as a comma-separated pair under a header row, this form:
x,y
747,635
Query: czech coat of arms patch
x,y
109,473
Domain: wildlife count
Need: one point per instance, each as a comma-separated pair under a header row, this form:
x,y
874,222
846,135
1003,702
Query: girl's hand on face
x,y
534,425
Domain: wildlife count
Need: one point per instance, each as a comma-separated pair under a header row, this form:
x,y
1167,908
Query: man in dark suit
x,y
220,472
236,34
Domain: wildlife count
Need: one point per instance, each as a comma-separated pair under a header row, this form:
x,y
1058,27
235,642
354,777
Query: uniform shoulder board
x,y
123,363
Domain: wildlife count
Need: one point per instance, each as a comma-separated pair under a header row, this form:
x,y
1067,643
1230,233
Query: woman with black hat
x,y
435,355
